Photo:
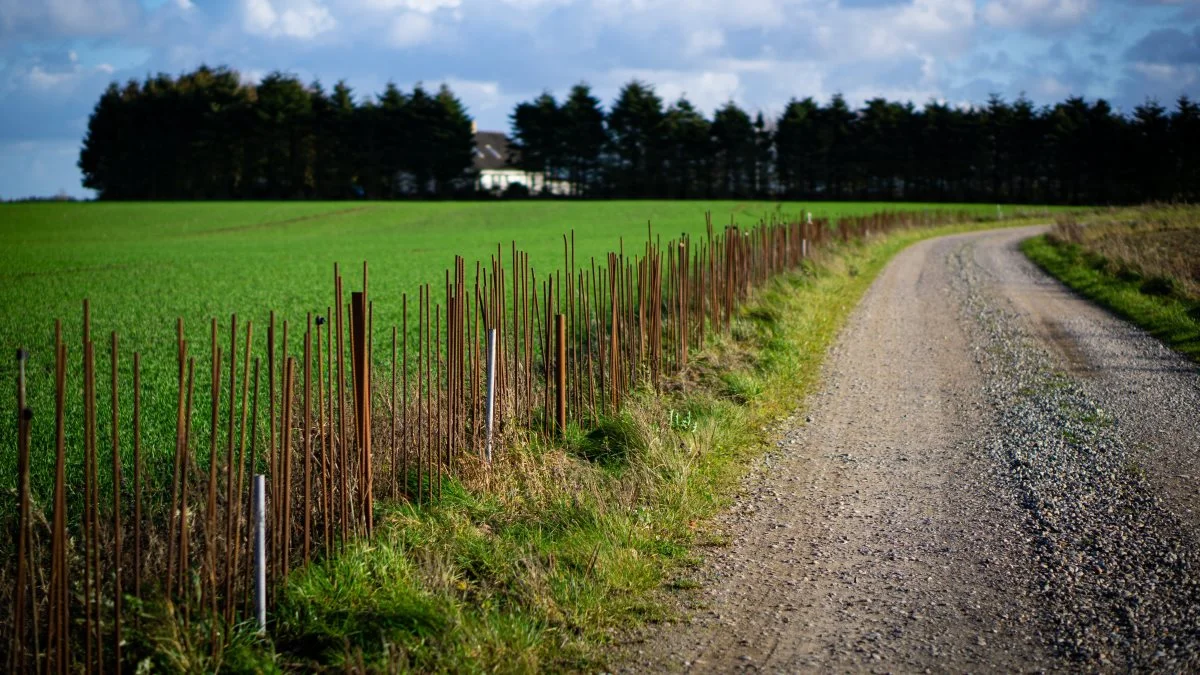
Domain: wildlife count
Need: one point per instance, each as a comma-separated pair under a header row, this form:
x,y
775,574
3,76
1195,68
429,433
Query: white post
x,y
804,242
491,388
260,551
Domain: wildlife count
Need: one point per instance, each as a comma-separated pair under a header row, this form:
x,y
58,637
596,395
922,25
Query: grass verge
x,y
542,562
1173,319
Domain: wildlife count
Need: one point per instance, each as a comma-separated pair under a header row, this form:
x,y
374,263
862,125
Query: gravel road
x,y
995,476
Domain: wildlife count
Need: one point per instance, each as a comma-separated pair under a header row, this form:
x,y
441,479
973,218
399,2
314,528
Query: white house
x,y
494,162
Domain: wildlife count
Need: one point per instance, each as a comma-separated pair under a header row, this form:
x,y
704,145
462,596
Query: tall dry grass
x,y
1158,245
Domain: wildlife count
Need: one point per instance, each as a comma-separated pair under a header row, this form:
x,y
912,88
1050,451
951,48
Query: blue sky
x,y
56,56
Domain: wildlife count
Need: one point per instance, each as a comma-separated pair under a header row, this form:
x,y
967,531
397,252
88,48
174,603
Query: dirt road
x,y
996,475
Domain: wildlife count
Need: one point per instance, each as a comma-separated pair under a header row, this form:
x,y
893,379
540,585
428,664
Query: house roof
x,y
491,150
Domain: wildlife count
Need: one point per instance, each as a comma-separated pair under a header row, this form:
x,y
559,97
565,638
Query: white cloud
x,y
1051,87
1180,76
62,79
485,93
486,99
534,4
410,29
1038,14
704,41
306,22
300,19
423,6
67,17
40,78
428,6
258,16
921,28
934,19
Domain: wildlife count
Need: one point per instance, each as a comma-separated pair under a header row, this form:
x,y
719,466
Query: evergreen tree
x,y
687,152
584,138
635,138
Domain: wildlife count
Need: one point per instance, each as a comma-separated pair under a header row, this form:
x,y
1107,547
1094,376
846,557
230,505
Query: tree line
x,y
207,134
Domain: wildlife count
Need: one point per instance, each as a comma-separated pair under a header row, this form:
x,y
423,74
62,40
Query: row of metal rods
x,y
572,353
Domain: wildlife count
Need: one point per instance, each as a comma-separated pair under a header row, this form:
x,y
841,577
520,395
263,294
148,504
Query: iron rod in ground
x,y
490,403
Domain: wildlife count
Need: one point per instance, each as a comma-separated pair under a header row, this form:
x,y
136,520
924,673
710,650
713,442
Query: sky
x,y
57,56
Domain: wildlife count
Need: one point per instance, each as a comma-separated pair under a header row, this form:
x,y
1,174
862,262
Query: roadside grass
x,y
1119,260
542,563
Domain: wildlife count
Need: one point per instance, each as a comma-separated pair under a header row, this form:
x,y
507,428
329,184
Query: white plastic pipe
x,y
260,551
491,388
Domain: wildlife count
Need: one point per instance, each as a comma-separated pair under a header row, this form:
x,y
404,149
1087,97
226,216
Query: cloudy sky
x,y
56,56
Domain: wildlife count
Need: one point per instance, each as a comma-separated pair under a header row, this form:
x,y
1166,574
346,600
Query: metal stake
x,y
491,388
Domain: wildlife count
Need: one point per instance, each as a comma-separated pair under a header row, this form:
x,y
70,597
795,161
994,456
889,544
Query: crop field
x,y
143,265
1143,263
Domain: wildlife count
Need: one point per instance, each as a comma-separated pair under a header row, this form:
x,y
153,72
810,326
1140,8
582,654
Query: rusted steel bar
x,y
614,347
342,454
321,440
358,351
528,286
235,504
210,511
94,506
185,446
365,450
393,465
281,486
24,417
369,436
437,383
229,565
560,370
546,345
272,474
118,562
181,348
88,487
420,435
368,441
331,454
288,510
59,628
516,331
285,454
308,505
253,472
404,388
137,476
429,442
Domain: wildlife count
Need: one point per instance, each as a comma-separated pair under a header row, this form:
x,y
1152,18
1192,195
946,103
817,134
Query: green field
x,y
142,265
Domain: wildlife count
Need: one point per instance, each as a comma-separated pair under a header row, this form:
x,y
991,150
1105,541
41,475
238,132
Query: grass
x,y
1139,263
543,565
144,264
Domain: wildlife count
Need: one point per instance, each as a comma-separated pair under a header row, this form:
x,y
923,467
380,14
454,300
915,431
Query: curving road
x,y
996,475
